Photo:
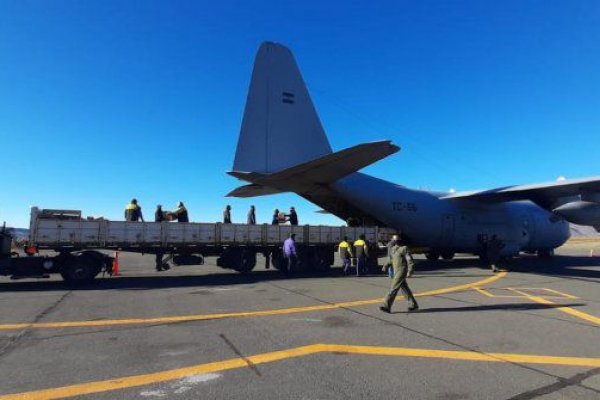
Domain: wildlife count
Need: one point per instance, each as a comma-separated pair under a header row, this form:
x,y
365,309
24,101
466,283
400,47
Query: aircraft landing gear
x,y
545,254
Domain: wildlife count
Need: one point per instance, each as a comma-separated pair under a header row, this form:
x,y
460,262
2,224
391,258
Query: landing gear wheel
x,y
545,254
432,255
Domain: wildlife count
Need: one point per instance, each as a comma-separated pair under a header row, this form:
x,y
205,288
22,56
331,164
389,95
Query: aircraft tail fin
x,y
280,127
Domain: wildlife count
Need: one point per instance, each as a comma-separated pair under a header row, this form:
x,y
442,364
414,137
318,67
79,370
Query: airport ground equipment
x,y
80,244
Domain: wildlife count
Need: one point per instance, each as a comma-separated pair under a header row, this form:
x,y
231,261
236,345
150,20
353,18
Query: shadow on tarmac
x,y
569,267
492,307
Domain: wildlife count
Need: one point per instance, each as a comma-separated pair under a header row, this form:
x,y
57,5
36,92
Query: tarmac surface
x,y
203,332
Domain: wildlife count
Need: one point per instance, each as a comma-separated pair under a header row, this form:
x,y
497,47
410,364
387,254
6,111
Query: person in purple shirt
x,y
289,252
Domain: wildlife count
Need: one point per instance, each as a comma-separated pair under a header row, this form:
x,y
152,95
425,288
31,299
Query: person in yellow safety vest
x,y
133,212
362,252
345,252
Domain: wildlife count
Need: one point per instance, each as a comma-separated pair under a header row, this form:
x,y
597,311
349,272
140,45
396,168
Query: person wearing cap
x,y
401,262
292,216
227,215
251,220
133,212
180,213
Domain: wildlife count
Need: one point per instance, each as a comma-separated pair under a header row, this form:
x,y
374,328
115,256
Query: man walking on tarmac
x,y
345,252
400,259
289,252
362,252
133,212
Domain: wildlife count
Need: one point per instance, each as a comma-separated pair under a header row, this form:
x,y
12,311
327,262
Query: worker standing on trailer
x,y
227,215
289,252
362,252
251,220
401,261
159,216
292,216
133,212
345,252
180,213
275,219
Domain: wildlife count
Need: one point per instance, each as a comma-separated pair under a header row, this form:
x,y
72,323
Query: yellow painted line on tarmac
x,y
484,292
236,363
565,309
202,317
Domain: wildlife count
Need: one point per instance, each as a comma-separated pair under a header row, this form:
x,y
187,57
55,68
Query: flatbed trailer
x,y
81,244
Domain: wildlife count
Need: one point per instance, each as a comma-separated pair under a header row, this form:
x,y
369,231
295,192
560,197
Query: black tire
x,y
432,255
319,260
278,261
447,255
79,269
545,254
246,261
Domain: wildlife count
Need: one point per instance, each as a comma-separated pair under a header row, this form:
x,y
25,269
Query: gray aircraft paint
x,y
283,148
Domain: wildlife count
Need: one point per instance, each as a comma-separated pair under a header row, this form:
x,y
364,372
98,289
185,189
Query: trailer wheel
x,y
277,260
79,269
319,259
447,255
432,255
246,261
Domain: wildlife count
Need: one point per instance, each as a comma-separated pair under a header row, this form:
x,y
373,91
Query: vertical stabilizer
x,y
280,128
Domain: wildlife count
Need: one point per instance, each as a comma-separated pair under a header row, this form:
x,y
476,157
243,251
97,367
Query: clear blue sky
x,y
102,101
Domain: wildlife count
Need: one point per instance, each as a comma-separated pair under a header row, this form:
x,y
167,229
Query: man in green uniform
x,y
401,261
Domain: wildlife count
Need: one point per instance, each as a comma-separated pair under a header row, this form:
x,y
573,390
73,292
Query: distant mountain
x,y
18,233
583,231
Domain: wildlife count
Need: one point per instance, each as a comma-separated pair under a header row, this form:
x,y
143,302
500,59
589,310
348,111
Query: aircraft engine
x,y
580,212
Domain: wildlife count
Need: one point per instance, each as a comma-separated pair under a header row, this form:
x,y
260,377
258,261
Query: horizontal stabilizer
x,y
253,190
332,167
311,175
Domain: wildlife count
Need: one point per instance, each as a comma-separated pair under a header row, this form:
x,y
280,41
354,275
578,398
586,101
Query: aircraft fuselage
x,y
453,226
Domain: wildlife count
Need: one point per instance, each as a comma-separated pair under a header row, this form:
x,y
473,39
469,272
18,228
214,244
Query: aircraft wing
x,y
544,194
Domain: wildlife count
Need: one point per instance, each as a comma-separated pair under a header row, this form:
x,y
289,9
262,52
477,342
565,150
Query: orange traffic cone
x,y
115,266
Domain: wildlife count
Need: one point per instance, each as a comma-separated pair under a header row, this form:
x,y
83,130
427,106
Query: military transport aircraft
x,y
282,148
